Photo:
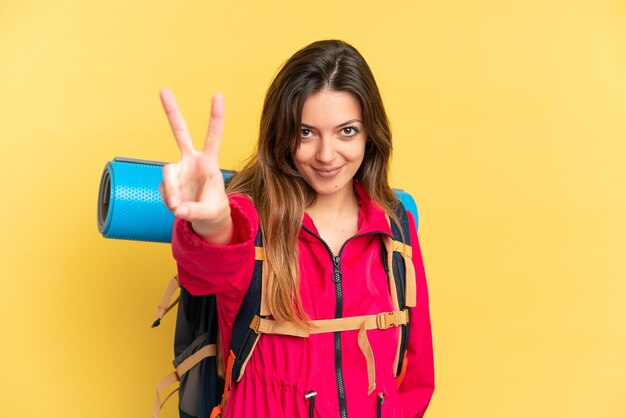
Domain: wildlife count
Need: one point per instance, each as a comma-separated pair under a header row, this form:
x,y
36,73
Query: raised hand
x,y
193,188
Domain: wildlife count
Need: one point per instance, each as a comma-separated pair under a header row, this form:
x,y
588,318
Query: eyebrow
x,y
350,122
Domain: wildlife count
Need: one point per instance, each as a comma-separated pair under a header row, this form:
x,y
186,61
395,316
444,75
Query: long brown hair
x,y
270,177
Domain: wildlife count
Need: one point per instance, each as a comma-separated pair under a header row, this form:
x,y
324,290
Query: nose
x,y
326,150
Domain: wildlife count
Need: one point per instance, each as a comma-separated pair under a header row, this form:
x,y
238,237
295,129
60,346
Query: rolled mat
x,y
130,205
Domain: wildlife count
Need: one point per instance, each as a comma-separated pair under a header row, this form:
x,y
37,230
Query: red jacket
x,y
283,369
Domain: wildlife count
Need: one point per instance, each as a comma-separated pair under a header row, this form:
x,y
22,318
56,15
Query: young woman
x,y
317,189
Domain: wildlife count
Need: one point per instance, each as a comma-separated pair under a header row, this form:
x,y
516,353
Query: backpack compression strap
x,y
166,301
209,350
175,376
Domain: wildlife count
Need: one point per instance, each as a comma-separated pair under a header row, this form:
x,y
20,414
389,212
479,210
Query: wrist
x,y
217,232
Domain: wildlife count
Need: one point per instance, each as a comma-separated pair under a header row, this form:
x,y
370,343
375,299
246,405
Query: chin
x,y
328,190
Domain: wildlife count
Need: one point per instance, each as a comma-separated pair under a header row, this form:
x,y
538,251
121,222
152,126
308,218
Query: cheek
x,y
359,154
302,155
356,152
298,162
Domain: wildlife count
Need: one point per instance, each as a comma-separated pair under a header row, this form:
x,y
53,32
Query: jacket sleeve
x,y
226,270
418,385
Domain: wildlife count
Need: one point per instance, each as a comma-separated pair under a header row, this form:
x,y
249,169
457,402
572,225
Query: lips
x,y
327,172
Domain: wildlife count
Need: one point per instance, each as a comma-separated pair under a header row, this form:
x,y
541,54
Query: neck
x,y
335,207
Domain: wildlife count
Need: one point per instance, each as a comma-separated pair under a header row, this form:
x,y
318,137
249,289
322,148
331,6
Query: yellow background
x,y
509,130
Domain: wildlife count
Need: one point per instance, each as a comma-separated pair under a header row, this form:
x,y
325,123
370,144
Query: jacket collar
x,y
372,217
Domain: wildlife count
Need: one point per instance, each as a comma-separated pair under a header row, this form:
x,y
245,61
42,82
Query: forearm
x,y
210,268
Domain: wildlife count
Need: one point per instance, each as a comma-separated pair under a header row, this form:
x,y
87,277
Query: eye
x,y
349,131
305,133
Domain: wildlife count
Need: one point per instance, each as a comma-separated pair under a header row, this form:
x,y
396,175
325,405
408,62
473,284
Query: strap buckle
x,y
254,325
385,320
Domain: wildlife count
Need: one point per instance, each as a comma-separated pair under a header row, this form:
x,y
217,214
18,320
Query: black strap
x,y
243,337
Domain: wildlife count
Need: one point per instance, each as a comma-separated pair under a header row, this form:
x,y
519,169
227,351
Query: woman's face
x,y
332,142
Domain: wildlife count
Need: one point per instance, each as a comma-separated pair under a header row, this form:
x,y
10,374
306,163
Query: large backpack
x,y
203,384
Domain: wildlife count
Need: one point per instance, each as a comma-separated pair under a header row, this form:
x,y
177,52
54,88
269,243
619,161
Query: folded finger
x,y
170,186
198,211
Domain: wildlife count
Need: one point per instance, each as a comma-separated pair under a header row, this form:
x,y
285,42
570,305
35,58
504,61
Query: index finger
x,y
177,122
216,126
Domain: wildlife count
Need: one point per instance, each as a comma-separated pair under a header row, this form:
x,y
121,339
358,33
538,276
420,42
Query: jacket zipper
x,y
379,405
310,396
337,279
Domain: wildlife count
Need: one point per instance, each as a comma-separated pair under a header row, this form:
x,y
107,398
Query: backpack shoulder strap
x,y
243,338
397,259
402,270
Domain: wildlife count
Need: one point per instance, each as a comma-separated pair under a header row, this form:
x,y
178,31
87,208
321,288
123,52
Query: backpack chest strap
x,y
382,320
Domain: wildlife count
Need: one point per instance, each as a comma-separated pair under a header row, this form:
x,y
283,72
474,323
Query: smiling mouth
x,y
327,172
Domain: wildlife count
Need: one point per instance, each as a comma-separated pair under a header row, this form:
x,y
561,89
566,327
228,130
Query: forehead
x,y
330,108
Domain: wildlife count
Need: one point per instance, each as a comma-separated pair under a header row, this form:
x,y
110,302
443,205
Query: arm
x,y
205,268
193,188
418,384
213,237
